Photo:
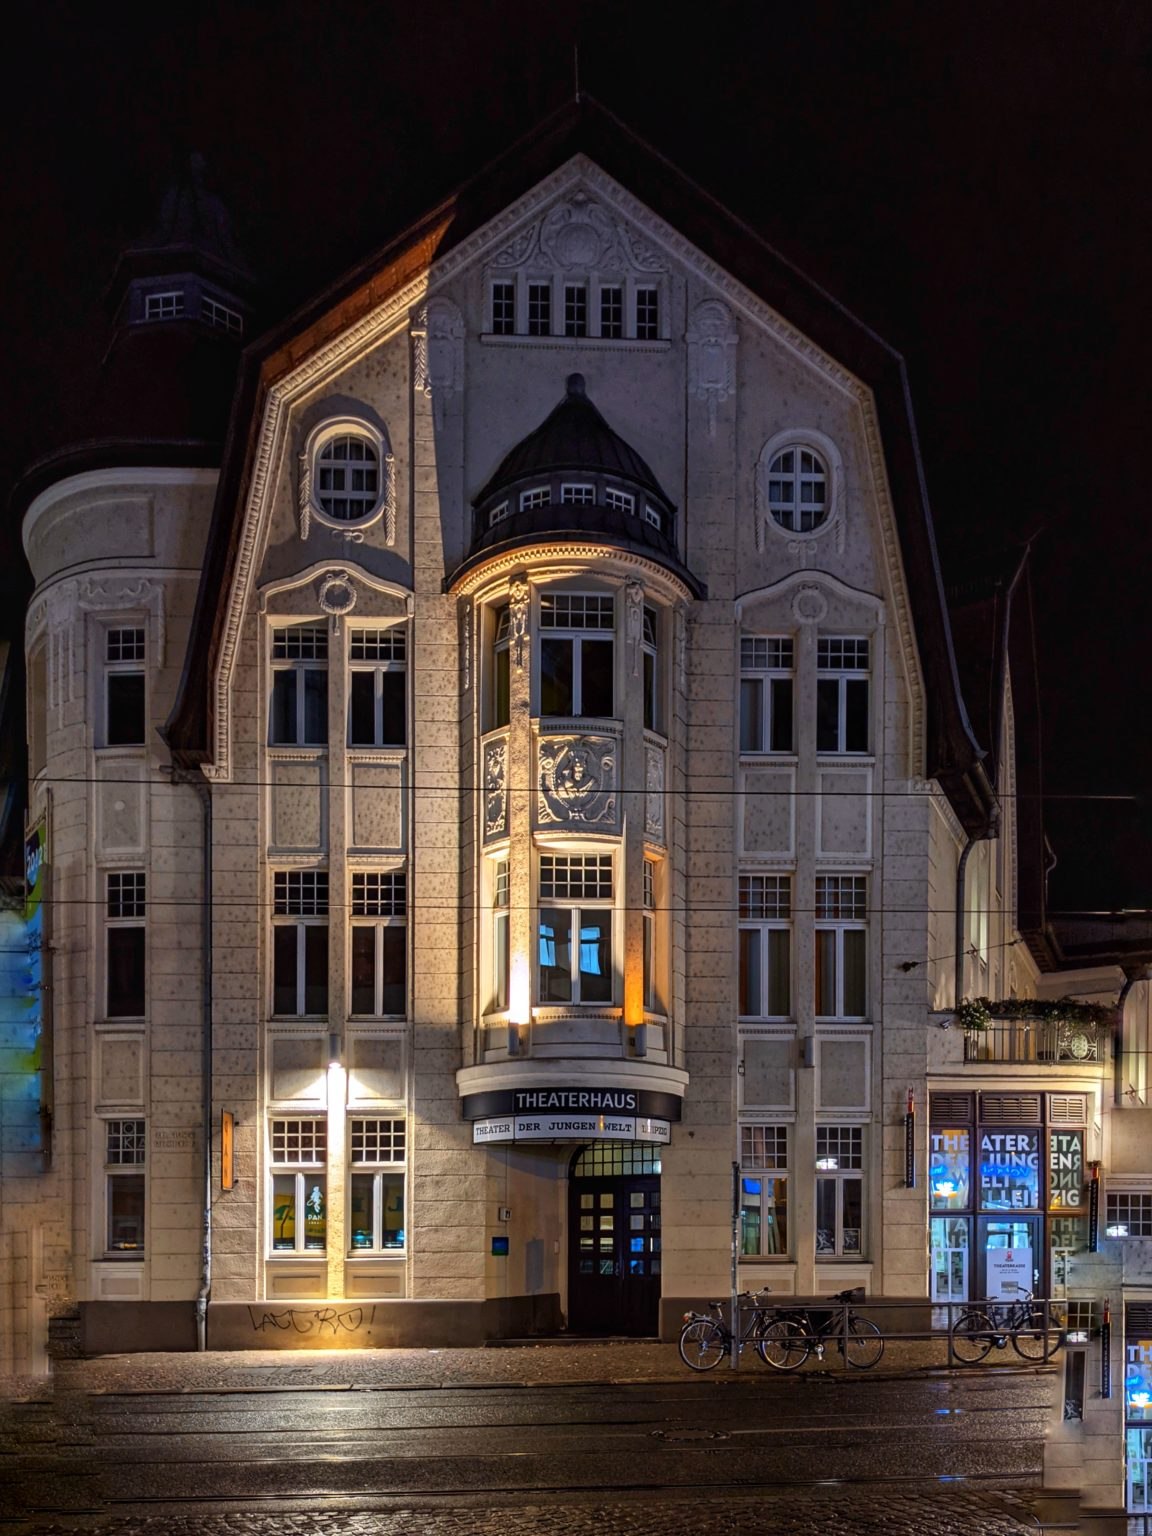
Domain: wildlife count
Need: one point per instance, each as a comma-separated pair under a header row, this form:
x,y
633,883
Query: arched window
x,y
798,489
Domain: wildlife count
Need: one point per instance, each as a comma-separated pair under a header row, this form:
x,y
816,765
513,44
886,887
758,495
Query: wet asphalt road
x,y
951,1454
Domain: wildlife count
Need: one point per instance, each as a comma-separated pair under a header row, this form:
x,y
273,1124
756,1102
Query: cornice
x,y
565,558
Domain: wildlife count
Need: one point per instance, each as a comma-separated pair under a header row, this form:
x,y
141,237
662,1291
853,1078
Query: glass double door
x,y
1007,1261
614,1255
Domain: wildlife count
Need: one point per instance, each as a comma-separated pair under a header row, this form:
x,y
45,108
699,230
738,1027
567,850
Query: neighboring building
x,y
524,776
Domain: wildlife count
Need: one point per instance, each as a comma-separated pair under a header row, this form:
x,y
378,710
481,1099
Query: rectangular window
x,y
376,1185
653,516
575,941
539,309
501,700
503,309
221,316
299,703
842,695
578,495
164,306
620,501
650,934
950,1169
763,1191
612,312
379,949
575,309
124,693
839,1191
651,650
647,314
577,654
500,936
498,514
1128,1213
841,946
125,910
765,940
377,702
532,501
766,683
298,1152
300,942
125,1153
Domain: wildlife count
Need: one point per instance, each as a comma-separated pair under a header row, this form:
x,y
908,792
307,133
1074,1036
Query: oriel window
x,y
577,654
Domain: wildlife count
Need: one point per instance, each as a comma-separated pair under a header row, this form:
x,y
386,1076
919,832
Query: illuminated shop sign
x,y
949,1167
570,1128
587,1101
1066,1191
1009,1170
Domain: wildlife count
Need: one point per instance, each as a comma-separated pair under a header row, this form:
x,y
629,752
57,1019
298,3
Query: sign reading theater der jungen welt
x,y
571,1114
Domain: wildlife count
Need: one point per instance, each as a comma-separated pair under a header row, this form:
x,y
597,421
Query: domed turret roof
x,y
573,437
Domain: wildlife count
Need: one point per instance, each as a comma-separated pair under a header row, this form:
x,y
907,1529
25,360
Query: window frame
x,y
300,923
301,1171
843,679
378,923
129,667
130,917
123,1170
577,636
500,946
758,928
765,1164
574,906
313,464
758,680
502,323
837,926
298,667
379,1170
842,1168
394,638
797,477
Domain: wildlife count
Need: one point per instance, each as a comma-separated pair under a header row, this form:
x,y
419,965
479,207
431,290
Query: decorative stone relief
x,y
809,606
712,338
438,344
577,778
581,233
304,493
496,788
518,612
307,509
113,593
653,793
634,593
337,595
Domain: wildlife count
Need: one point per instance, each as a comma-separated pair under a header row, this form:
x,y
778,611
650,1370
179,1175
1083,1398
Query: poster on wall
x,y
1009,1273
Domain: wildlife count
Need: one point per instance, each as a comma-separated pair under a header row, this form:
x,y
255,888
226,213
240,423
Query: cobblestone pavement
x,y
805,1514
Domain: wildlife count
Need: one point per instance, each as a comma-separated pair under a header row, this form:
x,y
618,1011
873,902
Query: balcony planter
x,y
1034,1029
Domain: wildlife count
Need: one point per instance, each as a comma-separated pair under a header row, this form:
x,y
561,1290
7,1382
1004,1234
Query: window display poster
x,y
1066,1171
948,1173
1009,1273
1010,1170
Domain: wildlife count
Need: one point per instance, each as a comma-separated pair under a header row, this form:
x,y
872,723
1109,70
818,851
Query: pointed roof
x,y
583,127
573,436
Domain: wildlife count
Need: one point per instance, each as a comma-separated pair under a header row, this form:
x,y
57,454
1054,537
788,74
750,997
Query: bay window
x,y
841,946
577,654
575,929
839,1191
765,939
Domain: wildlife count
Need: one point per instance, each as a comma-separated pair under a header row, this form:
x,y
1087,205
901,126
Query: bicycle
x,y
791,1336
1025,1322
705,1338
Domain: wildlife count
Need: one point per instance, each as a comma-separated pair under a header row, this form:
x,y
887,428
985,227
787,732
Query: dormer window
x,y
612,313
620,501
539,309
498,514
575,309
578,495
503,309
652,516
647,314
221,316
539,496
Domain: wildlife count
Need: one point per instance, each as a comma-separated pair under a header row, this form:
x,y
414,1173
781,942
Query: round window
x,y
798,490
347,486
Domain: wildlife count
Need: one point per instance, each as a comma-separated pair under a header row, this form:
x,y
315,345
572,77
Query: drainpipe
x,y
958,944
198,783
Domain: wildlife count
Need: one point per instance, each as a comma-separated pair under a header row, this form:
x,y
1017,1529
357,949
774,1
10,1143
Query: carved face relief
x,y
577,780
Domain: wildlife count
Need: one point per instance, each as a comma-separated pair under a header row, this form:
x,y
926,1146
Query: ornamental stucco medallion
x,y
495,788
653,793
577,778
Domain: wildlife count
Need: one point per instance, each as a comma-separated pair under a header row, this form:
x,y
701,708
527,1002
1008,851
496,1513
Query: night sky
x,y
971,179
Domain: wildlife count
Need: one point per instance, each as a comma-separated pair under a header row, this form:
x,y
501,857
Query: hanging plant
x,y
976,1013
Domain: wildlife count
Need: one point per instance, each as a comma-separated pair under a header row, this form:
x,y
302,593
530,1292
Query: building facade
x,y
508,813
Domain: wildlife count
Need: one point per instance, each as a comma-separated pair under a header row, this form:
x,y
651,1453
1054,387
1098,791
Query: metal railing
x,y
1054,1042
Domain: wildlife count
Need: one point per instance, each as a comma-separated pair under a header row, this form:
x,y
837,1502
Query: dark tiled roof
x,y
574,436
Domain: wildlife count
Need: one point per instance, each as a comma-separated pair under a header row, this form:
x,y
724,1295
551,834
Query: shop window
x,y
841,946
299,703
577,654
842,695
766,692
125,943
298,1151
377,710
839,1191
125,1151
299,942
765,939
950,1169
379,944
764,1191
1009,1170
376,1150
124,689
574,956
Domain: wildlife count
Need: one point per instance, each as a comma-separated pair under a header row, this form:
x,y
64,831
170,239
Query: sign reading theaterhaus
x,y
571,1114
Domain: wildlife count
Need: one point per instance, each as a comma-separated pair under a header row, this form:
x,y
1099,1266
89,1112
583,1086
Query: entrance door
x,y
1011,1256
614,1240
